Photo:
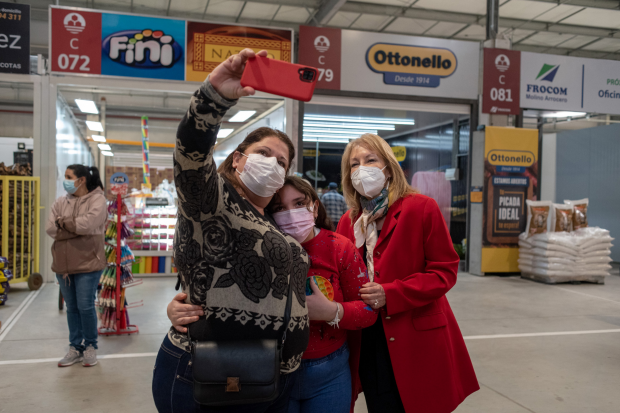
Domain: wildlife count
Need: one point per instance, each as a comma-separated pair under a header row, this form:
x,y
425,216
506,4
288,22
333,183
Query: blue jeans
x,y
173,387
79,292
323,385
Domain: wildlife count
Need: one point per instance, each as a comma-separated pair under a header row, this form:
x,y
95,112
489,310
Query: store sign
x,y
511,156
502,69
95,43
14,38
410,65
393,64
400,152
90,42
210,44
321,48
119,183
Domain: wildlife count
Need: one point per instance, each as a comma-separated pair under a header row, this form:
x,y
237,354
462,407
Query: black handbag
x,y
244,371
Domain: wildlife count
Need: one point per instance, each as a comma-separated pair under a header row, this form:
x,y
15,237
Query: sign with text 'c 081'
x,y
14,38
501,85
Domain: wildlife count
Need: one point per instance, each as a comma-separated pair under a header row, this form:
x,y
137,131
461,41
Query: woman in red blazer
x,y
413,359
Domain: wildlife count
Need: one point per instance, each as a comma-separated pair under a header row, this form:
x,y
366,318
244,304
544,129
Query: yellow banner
x,y
384,57
400,152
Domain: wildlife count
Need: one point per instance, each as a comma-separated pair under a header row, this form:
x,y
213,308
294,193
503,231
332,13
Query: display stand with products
x,y
116,278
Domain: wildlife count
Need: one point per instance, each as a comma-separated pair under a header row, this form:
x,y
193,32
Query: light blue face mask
x,y
70,186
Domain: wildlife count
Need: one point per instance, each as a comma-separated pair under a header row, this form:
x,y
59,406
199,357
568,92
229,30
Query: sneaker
x,y
90,357
72,357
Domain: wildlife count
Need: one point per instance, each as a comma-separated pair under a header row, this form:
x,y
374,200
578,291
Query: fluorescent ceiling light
x,y
332,118
104,147
107,153
337,131
242,116
326,140
224,133
348,125
94,126
98,138
325,135
564,115
87,106
67,145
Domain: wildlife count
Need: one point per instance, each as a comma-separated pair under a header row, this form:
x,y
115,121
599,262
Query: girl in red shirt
x,y
324,382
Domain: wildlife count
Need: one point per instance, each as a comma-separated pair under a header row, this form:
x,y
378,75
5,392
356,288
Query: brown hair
x,y
226,168
398,183
322,220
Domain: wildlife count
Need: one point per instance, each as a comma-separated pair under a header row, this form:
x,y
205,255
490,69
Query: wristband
x,y
336,319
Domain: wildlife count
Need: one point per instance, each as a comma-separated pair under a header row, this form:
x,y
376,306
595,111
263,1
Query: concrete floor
x,y
536,373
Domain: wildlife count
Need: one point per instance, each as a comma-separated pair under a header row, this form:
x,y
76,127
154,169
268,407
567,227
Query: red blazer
x,y
416,264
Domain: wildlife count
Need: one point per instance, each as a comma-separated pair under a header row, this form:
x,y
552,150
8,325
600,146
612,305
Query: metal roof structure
x,y
586,28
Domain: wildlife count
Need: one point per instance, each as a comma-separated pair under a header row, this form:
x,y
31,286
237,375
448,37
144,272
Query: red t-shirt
x,y
335,258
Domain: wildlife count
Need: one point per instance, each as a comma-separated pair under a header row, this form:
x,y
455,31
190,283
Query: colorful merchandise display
x,y
117,277
146,173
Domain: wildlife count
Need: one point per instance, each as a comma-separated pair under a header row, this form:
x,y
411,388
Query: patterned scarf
x,y
365,227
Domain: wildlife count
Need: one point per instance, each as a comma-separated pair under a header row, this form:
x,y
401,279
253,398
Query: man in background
x,y
334,203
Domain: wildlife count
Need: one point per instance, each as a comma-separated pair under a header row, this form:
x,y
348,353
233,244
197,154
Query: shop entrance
x,y
430,141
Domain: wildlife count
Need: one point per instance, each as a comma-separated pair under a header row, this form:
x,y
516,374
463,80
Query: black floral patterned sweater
x,y
232,261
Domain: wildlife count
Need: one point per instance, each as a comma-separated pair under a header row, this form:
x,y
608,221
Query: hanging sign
x,y
14,38
119,183
392,64
320,47
511,177
94,43
210,44
502,71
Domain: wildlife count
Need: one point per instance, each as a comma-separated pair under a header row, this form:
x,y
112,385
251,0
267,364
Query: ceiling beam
x,y
480,20
567,52
327,10
595,4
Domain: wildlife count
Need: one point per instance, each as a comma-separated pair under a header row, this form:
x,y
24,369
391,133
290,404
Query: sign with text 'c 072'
x,y
94,43
14,38
501,85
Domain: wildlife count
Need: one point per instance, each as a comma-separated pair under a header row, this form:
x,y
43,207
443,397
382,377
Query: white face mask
x,y
368,181
262,175
296,222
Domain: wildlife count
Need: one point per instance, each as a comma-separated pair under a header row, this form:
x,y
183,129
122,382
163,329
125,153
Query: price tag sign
x,y
119,183
320,47
501,86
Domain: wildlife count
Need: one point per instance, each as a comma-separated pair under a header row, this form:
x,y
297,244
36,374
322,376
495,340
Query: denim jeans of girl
x,y
323,385
79,292
173,387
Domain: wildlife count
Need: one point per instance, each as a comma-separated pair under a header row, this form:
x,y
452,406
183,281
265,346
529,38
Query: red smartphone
x,y
280,78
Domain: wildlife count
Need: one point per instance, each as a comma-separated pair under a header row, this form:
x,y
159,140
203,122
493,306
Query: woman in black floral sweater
x,y
234,264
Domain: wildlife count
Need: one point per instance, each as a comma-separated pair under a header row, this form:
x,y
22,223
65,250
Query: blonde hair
x,y
398,183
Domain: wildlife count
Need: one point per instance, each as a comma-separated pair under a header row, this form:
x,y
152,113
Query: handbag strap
x,y
287,312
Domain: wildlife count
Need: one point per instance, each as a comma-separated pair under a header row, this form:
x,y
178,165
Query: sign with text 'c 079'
x,y
320,47
14,38
501,85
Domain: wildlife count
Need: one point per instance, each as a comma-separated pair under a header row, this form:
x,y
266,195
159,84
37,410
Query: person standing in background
x,y
77,225
334,203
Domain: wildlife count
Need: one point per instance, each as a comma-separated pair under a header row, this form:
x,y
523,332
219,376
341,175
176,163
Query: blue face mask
x,y
70,186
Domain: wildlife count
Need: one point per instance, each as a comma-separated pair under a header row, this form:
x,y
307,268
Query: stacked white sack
x,y
583,252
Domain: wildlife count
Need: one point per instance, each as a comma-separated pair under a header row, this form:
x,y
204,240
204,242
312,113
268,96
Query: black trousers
x,y
376,373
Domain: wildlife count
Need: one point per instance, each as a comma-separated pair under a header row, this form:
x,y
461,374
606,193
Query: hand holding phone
x,y
226,77
279,78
